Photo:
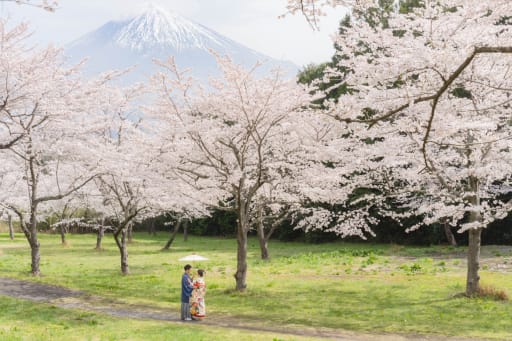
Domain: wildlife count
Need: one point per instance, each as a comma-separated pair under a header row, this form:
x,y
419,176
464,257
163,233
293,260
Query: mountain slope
x,y
157,34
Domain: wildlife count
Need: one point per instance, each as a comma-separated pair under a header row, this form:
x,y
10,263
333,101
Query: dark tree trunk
x,y
121,236
151,227
36,257
99,237
473,279
129,232
34,242
124,252
261,235
173,235
30,229
263,247
63,235
264,235
241,239
241,266
185,230
11,227
474,242
449,234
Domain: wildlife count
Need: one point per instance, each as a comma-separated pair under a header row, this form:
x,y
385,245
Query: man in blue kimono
x,y
186,291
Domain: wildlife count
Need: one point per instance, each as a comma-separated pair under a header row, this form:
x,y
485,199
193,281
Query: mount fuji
x,y
158,34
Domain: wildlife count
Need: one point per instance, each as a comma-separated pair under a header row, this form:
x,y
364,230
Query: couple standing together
x,y
192,295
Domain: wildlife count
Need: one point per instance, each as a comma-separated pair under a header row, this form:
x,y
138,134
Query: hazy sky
x,y
253,23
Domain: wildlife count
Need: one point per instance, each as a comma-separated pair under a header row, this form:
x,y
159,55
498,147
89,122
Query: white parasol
x,y
193,257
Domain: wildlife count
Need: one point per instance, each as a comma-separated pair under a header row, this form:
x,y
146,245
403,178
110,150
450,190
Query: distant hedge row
x,y
224,224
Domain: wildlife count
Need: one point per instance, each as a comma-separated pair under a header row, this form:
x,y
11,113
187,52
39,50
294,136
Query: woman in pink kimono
x,y
197,305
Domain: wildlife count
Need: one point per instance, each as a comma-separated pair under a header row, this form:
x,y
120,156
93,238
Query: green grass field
x,y
23,320
359,287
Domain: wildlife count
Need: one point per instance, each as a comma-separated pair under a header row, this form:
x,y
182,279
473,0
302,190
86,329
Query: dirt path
x,y
66,298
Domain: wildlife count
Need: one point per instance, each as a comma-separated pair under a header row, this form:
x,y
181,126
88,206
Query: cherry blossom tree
x,y
314,9
132,187
125,199
439,75
230,139
48,120
17,80
53,158
65,218
270,212
120,192
47,5
133,191
301,180
468,172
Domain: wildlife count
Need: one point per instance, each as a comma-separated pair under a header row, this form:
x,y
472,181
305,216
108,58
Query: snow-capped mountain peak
x,y
156,27
158,34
